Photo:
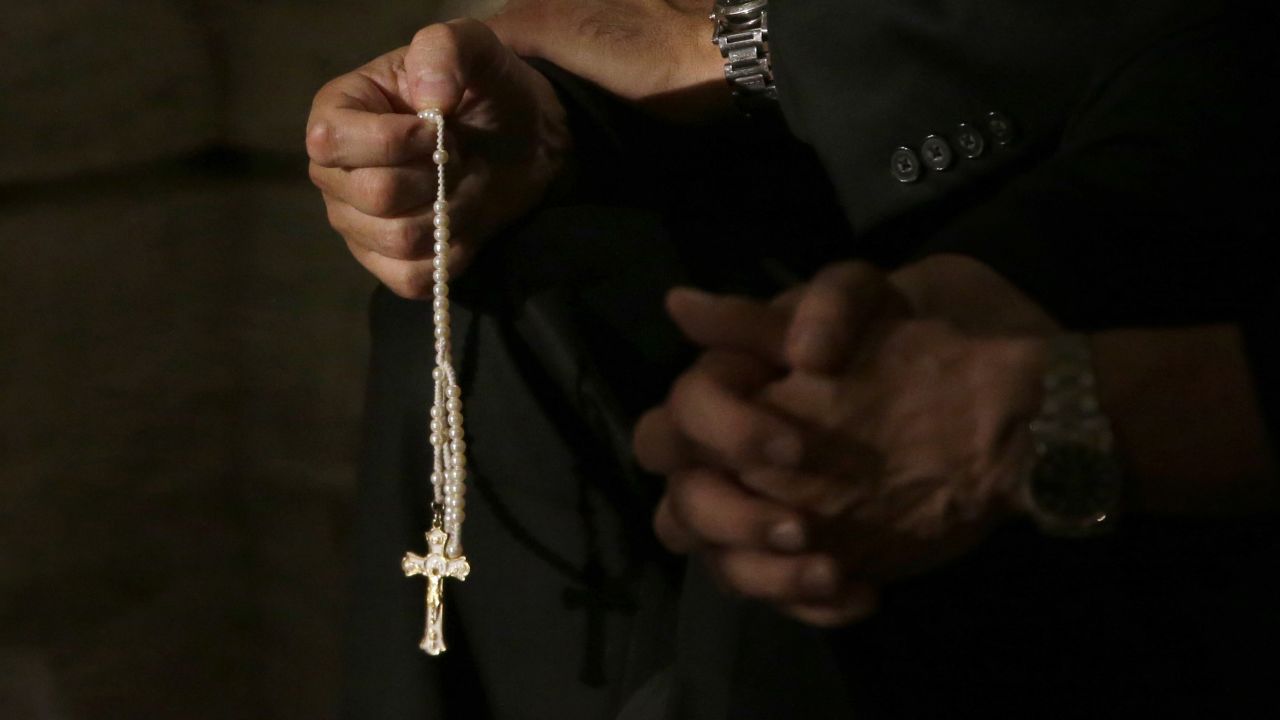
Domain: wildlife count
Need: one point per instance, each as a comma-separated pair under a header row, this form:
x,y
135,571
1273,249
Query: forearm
x,y
1183,402
1183,406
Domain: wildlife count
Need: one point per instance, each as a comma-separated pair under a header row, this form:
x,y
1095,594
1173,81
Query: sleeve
x,y
1153,209
1133,190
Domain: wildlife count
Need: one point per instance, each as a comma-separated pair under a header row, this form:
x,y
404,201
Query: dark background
x,y
182,355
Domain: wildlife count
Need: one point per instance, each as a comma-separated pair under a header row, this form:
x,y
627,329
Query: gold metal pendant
x,y
435,567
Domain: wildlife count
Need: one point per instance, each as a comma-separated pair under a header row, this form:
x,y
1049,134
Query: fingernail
x,y
432,90
784,450
787,536
818,579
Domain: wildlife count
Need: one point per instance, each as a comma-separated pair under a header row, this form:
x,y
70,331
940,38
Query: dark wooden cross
x,y
598,595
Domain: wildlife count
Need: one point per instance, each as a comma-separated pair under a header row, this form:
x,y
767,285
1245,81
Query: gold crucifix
x,y
435,567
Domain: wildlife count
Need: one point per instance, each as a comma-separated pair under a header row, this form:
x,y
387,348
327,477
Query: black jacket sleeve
x,y
1134,188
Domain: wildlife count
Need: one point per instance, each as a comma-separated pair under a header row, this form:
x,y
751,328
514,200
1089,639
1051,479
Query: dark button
x,y
937,152
1000,127
905,165
970,140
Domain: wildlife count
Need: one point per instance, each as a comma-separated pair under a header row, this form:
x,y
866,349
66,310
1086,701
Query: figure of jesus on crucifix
x,y
435,567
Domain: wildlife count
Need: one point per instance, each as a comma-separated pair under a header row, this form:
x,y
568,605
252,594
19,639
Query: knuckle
x,y
380,191
407,281
821,304
742,439
401,240
686,392
388,141
645,440
337,219
747,580
320,141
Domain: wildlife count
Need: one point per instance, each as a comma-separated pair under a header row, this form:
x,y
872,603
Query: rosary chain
x,y
448,477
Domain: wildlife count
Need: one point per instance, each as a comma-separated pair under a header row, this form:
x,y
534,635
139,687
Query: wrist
x,y
697,90
1009,374
1072,480
971,295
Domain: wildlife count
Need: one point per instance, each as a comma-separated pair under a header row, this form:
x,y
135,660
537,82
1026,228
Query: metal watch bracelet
x,y
742,35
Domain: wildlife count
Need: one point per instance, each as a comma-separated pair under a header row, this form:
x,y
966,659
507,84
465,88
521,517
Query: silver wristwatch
x,y
1073,483
742,34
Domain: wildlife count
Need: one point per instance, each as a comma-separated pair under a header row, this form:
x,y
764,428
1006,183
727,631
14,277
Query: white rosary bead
x,y
441,275
442,234
440,221
440,290
440,207
440,157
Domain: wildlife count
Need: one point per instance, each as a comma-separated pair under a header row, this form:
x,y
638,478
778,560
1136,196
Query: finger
x,y
383,192
344,132
659,446
410,279
411,237
821,493
731,323
446,59
718,511
855,602
670,531
831,315
789,579
708,406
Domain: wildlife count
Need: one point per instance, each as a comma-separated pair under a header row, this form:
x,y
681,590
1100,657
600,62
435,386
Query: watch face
x,y
1075,484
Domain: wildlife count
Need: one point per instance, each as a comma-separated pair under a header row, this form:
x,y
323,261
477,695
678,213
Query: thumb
x,y
446,59
515,27
726,322
839,308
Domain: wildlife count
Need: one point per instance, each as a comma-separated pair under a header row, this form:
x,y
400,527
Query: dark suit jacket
x,y
1126,185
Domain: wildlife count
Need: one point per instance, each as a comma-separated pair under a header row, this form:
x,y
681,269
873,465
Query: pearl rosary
x,y
444,556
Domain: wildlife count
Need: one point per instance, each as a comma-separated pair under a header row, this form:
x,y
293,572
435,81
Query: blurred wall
x,y
182,348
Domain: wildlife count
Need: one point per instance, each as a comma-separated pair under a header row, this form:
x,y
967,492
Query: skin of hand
x,y
507,137
654,53
829,443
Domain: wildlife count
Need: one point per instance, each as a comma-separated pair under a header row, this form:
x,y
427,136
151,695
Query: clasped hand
x,y
829,442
